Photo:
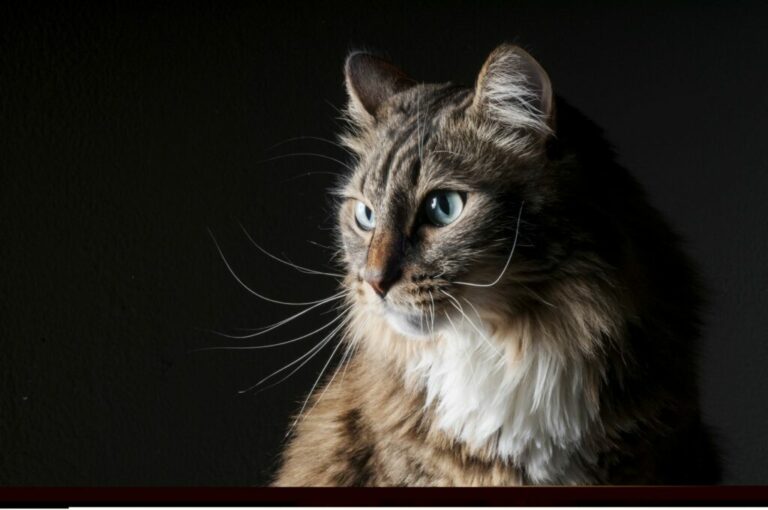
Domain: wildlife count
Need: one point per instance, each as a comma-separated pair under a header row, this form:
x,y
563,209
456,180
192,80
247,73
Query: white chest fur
x,y
532,410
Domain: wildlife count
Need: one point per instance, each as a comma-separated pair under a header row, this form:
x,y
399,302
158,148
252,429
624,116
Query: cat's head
x,y
436,218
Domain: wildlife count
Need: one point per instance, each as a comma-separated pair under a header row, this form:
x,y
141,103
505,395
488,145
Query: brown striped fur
x,y
590,328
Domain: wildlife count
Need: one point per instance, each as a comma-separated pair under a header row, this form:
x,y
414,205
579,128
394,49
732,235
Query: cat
x,y
518,313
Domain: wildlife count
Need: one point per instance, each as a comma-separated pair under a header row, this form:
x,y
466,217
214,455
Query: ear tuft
x,y
370,82
514,89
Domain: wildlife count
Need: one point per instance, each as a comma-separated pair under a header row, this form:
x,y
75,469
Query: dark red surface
x,y
533,496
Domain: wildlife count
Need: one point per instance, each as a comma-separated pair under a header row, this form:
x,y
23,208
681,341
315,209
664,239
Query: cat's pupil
x,y
442,202
444,207
366,219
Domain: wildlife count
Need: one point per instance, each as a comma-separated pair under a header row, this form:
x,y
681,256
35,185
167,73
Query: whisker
x,y
317,138
473,307
324,342
308,154
249,347
251,291
480,318
321,245
538,296
314,351
297,267
456,331
460,309
432,301
447,316
307,174
308,355
266,329
328,384
353,343
341,114
345,360
509,259
312,390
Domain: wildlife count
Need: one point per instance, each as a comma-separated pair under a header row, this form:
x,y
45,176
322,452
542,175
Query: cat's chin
x,y
412,325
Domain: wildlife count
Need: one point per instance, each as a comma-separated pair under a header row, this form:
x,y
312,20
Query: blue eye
x,y
364,216
443,207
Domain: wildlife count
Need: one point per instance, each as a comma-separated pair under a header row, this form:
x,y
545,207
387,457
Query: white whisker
x,y
432,301
538,296
456,332
250,347
328,384
309,154
299,268
353,342
317,138
480,318
314,351
473,308
322,245
447,316
326,340
307,174
266,329
509,259
460,309
346,359
251,291
308,355
312,390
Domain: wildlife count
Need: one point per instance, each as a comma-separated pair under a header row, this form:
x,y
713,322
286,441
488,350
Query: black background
x,y
127,133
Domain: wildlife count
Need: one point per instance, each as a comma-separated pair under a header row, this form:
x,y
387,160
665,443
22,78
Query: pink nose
x,y
383,264
380,282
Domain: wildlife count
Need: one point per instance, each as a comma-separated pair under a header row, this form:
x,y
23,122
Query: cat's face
x,y
432,213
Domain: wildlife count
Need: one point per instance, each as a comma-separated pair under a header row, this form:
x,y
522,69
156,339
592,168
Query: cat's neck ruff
x,y
527,404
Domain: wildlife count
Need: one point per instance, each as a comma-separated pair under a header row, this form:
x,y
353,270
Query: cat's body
x,y
545,334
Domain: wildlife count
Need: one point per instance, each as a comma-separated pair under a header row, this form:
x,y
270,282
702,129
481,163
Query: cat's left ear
x,y
514,90
370,81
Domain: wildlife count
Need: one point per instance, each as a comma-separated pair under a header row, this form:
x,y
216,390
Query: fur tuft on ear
x,y
370,82
514,90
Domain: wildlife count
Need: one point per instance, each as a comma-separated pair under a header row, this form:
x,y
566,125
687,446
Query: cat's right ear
x,y
370,82
514,90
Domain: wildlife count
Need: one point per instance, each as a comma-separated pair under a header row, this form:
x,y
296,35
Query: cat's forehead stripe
x,y
404,154
397,167
398,147
407,158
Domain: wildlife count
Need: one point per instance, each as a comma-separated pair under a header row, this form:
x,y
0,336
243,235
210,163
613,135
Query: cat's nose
x,y
384,263
380,281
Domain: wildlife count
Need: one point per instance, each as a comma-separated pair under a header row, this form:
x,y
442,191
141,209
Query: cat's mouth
x,y
420,325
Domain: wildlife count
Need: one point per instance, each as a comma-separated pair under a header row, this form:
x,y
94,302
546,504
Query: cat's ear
x,y
514,90
370,82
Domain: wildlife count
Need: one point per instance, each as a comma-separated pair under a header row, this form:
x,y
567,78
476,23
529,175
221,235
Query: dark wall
x,y
125,134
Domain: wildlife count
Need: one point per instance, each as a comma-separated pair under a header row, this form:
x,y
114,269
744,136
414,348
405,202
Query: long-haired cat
x,y
519,313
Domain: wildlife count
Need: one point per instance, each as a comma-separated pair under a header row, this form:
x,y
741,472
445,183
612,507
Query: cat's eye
x,y
444,207
365,217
